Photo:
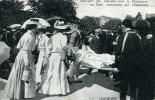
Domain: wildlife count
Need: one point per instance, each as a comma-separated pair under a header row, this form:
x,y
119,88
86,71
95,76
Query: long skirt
x,y
56,80
39,65
16,88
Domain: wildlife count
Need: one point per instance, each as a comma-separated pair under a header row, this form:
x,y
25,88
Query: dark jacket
x,y
96,45
153,61
130,57
74,40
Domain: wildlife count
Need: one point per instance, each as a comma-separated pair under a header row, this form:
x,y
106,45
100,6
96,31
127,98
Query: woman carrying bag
x,y
21,82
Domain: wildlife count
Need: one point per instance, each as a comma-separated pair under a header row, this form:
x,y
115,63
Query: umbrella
x,y
37,21
15,26
54,18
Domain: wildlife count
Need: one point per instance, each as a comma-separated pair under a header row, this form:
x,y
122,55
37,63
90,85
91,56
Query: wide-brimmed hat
x,y
60,25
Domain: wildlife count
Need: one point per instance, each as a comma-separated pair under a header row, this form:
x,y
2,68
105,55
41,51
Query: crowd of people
x,y
134,59
57,65
49,76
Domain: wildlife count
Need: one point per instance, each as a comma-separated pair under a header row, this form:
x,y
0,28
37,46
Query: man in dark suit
x,y
96,42
153,61
128,51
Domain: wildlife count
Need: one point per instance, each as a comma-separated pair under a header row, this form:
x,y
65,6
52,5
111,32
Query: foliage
x,y
129,17
11,13
63,8
112,24
89,24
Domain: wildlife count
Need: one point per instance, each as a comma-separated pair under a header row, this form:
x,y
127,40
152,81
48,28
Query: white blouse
x,y
57,42
43,42
27,41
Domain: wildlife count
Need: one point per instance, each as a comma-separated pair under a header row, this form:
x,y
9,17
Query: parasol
x,y
37,21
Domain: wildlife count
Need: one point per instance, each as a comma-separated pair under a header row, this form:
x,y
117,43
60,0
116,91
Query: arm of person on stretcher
x,y
89,50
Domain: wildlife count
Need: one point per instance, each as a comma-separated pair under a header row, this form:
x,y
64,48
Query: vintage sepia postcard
x,y
77,49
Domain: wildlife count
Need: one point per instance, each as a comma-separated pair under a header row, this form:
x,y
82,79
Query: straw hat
x,y
60,25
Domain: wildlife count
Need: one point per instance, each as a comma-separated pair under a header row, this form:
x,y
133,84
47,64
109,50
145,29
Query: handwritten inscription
x,y
117,2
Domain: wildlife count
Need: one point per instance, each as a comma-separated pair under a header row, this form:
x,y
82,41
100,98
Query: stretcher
x,y
96,61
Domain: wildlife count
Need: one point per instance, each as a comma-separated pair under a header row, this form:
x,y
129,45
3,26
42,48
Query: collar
x,y
128,29
31,33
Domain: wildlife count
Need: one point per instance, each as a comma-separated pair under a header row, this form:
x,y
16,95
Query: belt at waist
x,y
42,48
25,51
55,52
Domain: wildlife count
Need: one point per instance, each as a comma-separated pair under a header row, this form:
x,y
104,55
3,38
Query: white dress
x,y
56,82
16,88
43,51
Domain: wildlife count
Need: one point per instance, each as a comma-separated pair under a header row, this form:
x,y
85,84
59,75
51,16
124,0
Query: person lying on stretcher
x,y
87,57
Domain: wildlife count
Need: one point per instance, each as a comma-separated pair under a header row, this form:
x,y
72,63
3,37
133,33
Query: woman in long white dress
x,y
16,88
56,82
43,51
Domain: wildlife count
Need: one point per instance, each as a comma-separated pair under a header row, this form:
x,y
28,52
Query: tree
x,y
112,24
11,13
129,17
63,8
139,15
89,24
11,10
